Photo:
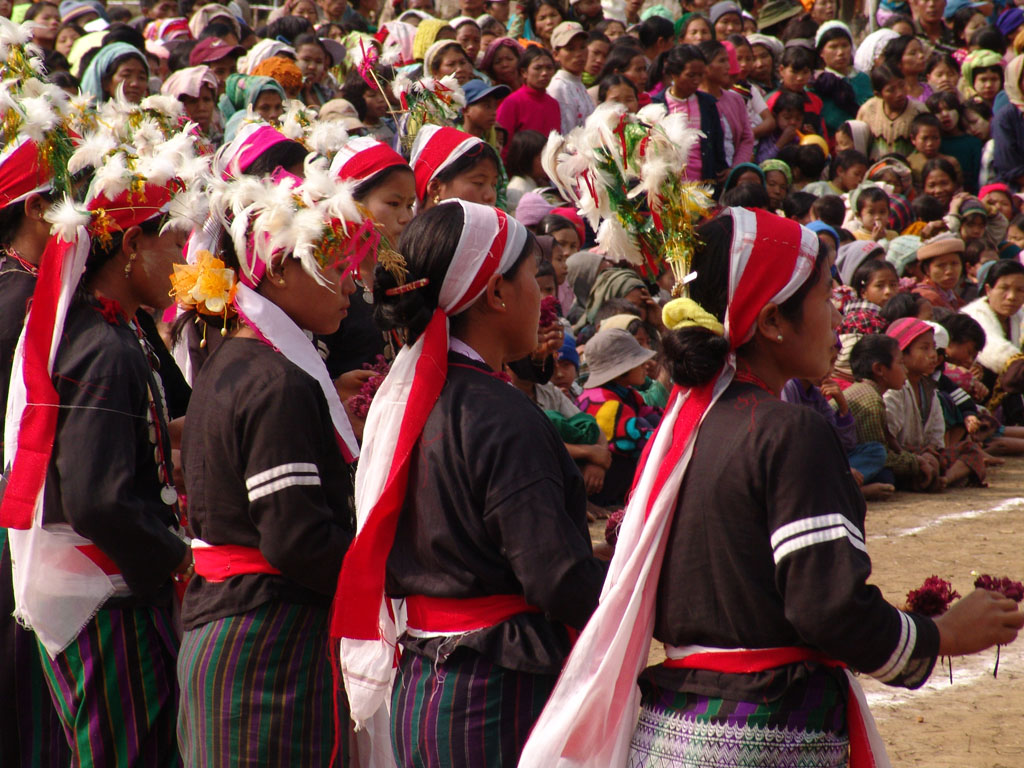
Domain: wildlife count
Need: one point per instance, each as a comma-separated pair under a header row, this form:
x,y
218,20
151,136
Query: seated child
x,y
914,414
941,262
788,111
567,368
870,208
926,136
878,367
874,282
830,209
795,72
617,366
889,113
849,171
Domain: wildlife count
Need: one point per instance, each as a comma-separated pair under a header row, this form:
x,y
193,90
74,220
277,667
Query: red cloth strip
x,y
370,162
746,662
100,558
22,172
219,563
450,614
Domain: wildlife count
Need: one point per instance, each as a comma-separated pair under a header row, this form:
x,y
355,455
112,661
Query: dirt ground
x,y
978,721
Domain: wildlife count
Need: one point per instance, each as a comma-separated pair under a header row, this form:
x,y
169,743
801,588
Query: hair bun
x,y
694,355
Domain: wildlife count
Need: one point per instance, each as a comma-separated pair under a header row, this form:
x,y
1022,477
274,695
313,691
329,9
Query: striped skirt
x,y
806,728
463,713
256,690
31,734
115,690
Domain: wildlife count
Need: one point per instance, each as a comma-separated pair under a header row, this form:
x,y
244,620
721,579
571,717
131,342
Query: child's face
x,y
843,142
623,94
882,286
688,81
921,357
789,118
988,85
794,79
874,212
572,57
560,261
837,54
927,140
547,285
892,376
848,179
597,55
376,105
567,242
1016,236
763,63
312,62
943,78
945,270
637,72
482,113
614,31
962,353
948,117
634,378
468,36
745,58
977,126
973,227
564,376
776,186
939,185
894,94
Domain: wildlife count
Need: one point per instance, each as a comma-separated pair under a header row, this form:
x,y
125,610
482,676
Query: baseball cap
x,y
213,49
565,32
952,6
476,90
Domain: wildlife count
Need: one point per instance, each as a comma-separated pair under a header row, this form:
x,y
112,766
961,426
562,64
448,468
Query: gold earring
x,y
128,266
437,199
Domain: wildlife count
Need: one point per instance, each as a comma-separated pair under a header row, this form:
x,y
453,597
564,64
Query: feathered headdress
x,y
625,173
427,101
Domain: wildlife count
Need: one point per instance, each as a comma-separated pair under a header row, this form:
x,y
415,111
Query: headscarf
x,y
903,252
492,50
533,207
591,714
92,79
819,227
189,82
241,91
284,70
610,284
734,175
21,172
976,59
202,18
396,49
773,44
433,51
1011,82
852,255
860,133
870,47
682,21
263,50
363,157
827,27
426,34
490,243
902,170
778,165
437,147
582,267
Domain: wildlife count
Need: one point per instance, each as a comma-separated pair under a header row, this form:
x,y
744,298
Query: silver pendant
x,y
168,495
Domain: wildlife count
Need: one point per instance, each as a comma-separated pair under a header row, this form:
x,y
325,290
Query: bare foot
x,y
877,491
992,461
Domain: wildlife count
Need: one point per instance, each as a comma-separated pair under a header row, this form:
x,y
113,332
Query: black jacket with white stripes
x,y
767,549
263,469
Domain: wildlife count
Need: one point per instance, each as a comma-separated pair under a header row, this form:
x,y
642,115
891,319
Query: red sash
x,y
219,563
452,614
759,660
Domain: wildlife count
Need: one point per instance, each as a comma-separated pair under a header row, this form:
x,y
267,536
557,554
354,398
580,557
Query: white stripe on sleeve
x,y
281,469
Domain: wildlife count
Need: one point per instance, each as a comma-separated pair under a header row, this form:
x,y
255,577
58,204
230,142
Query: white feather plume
x,y
166,105
39,117
618,243
65,219
92,151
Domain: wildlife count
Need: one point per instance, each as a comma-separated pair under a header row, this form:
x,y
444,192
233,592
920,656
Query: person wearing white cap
x,y
569,43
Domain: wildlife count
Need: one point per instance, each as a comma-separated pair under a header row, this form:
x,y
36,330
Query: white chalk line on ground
x,y
968,671
1007,505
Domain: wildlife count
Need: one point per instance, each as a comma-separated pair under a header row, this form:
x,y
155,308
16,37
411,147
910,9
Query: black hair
x,y
554,223
286,28
427,244
924,120
835,33
678,57
964,328
927,208
848,158
978,105
938,164
180,50
108,73
365,187
898,18
796,205
618,60
613,307
789,100
310,38
353,90
882,75
710,49
36,8
1002,268
216,29
603,24
534,8
974,248
119,13
610,82
63,79
830,209
13,216
747,195
119,32
593,36
54,61
866,271
869,350
522,150
545,269
799,58
811,161
995,68
960,19
694,355
901,305
100,254
949,100
533,52
653,29
892,53
469,160
738,41
491,26
801,27
871,195
72,26
989,38
939,58
284,154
